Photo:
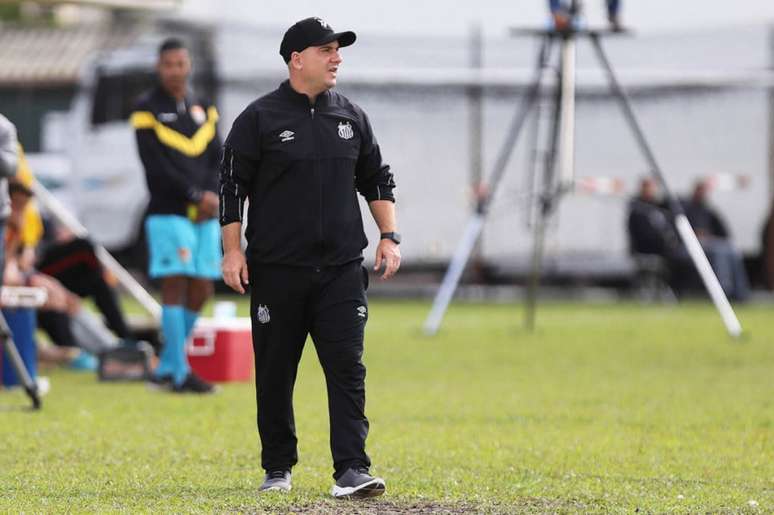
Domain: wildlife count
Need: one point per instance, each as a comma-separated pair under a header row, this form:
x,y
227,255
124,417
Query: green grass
x,y
605,408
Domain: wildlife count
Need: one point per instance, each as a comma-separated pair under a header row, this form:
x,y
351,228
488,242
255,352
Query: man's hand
x,y
388,253
234,268
208,205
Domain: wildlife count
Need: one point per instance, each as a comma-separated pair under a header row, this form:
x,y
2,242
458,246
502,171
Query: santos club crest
x,y
345,130
263,314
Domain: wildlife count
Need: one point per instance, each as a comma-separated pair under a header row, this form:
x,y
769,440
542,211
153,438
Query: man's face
x,y
700,192
174,67
320,64
648,190
19,201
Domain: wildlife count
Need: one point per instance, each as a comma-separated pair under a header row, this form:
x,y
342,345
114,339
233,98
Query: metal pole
x,y
567,114
476,119
63,215
476,224
684,228
548,193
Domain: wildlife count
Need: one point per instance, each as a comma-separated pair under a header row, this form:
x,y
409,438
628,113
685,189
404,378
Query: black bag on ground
x,y
130,361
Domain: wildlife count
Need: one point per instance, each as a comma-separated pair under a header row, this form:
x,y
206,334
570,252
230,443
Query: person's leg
x,y
279,321
740,285
107,302
172,361
57,325
207,257
199,291
339,318
718,256
75,265
171,240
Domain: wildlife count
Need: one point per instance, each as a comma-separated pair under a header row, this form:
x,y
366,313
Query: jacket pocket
x,y
365,277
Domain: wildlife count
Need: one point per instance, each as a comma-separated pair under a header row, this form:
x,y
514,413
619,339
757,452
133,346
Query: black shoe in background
x,y
194,384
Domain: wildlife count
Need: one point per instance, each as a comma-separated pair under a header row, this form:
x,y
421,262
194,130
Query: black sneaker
x,y
276,480
194,384
155,382
358,484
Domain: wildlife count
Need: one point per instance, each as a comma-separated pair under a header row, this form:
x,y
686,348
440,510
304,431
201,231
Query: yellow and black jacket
x,y
180,150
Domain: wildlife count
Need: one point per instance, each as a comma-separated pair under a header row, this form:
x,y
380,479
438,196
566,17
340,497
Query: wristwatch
x,y
394,236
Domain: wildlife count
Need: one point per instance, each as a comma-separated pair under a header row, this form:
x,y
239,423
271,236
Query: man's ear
x,y
296,61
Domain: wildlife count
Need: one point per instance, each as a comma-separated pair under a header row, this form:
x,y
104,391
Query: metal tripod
x,y
561,156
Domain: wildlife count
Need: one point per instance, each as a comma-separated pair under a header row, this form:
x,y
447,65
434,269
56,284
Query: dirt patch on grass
x,y
384,507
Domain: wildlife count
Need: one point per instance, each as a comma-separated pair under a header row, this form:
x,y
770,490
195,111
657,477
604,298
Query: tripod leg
x,y
21,370
475,225
549,190
537,266
684,229
566,143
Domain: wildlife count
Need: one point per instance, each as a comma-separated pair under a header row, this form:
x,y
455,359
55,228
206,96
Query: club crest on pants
x,y
263,314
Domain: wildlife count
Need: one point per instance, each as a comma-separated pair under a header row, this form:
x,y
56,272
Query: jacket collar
x,y
163,94
301,99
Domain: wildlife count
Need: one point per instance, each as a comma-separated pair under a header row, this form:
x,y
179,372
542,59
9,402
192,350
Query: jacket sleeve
x,y
9,148
157,165
241,158
373,178
719,228
215,157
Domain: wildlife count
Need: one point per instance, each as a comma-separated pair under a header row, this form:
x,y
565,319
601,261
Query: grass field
x,y
605,408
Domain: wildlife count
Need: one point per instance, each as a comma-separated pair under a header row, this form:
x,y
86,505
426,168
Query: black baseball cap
x,y
312,32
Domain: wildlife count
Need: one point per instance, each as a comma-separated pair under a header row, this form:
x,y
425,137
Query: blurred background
x,y
440,84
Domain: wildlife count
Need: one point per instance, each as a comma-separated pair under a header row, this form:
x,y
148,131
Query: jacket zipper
x,y
319,183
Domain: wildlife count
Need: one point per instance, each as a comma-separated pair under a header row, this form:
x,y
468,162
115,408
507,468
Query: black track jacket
x,y
300,167
180,150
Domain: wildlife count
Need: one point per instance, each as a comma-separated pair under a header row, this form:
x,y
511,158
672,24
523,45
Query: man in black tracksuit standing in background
x,y
300,155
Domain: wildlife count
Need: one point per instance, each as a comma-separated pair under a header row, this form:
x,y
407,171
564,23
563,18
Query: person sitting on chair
x,y
714,236
653,241
77,332
650,231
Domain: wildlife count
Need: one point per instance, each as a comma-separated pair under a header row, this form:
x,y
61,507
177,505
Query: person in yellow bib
x,y
178,142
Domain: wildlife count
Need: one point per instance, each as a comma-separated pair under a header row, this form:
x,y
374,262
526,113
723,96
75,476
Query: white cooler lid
x,y
233,324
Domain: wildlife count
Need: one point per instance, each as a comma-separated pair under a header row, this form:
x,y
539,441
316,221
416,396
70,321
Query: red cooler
x,y
221,349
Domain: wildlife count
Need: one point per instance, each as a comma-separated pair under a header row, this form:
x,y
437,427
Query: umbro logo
x,y
362,311
286,136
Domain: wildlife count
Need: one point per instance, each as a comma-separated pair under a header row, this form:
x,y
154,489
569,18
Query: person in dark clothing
x,y
560,11
650,230
767,249
74,263
653,241
300,155
177,139
714,236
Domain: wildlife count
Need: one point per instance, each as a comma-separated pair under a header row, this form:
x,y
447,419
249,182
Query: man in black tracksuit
x,y
300,155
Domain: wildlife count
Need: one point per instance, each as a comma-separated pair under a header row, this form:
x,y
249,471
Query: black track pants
x,y
287,304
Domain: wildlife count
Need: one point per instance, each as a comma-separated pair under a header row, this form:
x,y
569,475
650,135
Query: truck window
x,y
115,94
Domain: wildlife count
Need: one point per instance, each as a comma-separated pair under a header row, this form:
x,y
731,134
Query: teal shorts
x,y
178,246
